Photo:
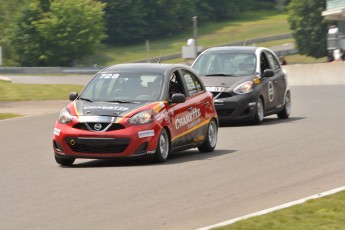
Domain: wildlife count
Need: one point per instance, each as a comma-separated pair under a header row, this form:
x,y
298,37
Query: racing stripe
x,y
192,129
75,108
155,109
159,106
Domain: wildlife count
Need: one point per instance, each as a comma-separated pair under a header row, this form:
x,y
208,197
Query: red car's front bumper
x,y
128,141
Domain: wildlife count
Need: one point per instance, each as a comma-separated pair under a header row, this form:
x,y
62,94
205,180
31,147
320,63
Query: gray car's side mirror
x,y
268,73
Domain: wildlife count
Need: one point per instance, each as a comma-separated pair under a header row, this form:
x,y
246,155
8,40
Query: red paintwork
x,y
165,116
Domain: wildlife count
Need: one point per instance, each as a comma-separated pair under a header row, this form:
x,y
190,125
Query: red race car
x,y
134,110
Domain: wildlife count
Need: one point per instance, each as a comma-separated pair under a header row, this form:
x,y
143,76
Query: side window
x,y
273,61
175,84
263,62
193,84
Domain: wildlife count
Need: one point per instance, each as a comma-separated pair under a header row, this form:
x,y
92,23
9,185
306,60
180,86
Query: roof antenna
x,y
245,43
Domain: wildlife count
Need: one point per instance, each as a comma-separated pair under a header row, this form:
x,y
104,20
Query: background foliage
x,y
308,26
61,32
130,21
56,33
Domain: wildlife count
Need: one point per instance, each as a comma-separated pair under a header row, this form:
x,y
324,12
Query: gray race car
x,y
248,83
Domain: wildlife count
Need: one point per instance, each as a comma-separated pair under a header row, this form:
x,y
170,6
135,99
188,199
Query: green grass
x,y
291,59
4,116
302,59
27,92
275,43
322,214
251,25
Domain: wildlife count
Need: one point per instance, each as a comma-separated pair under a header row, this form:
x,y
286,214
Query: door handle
x,y
190,109
206,103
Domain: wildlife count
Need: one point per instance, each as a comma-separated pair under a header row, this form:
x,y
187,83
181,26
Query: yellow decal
x,y
192,129
159,106
156,109
256,80
75,108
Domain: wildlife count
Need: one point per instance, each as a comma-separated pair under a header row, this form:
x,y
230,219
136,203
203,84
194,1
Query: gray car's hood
x,y
226,82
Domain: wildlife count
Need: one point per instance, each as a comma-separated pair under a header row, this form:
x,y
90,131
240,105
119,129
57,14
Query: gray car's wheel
x,y
259,112
163,147
211,138
64,161
285,113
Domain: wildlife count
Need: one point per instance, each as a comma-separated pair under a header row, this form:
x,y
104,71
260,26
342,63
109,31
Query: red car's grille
x,y
97,145
105,127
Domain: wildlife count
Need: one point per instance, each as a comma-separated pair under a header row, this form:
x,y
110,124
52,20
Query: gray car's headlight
x,y
245,87
65,116
143,117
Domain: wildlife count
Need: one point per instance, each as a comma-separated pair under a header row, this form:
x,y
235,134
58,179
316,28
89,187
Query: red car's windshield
x,y
123,87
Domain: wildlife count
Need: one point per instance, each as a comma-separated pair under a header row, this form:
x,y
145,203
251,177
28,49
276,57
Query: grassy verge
x,y
8,115
291,59
302,59
28,92
251,25
275,43
323,214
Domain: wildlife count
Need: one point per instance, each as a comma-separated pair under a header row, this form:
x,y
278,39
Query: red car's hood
x,y
86,108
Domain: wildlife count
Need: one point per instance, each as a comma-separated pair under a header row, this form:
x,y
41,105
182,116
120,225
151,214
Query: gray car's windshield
x,y
225,64
123,87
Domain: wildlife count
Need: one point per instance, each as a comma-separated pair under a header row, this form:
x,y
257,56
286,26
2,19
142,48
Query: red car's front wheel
x,y
163,146
211,138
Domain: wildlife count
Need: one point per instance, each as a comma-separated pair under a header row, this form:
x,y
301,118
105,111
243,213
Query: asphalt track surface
x,y
253,168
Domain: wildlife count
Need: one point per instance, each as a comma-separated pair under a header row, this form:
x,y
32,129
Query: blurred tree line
x,y
59,32
309,27
50,32
131,21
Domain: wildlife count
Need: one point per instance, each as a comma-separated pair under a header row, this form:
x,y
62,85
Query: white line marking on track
x,y
263,212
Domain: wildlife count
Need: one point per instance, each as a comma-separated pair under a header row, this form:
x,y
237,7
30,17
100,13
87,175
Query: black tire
x,y
64,161
211,138
163,147
285,113
259,112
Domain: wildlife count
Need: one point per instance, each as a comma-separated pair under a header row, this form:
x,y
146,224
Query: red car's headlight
x,y
65,116
143,117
